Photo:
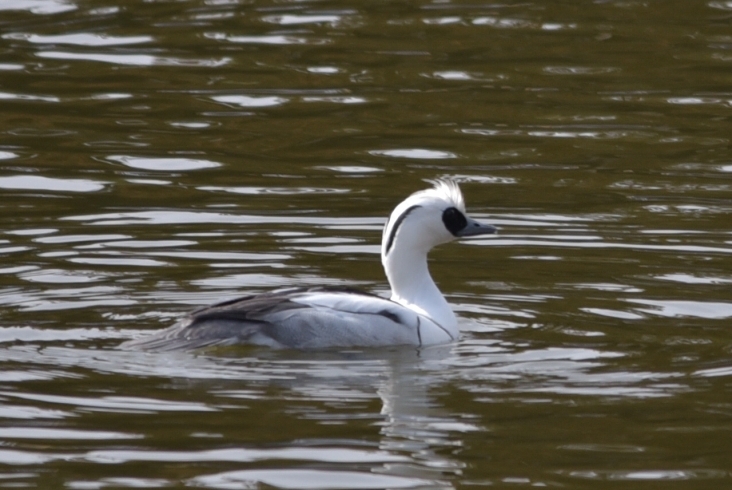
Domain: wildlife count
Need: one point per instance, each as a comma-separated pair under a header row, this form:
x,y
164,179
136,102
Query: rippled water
x,y
157,155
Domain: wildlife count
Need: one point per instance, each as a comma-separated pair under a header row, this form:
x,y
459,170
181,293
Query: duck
x,y
416,314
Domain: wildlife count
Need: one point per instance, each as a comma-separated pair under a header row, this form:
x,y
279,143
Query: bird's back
x,y
303,318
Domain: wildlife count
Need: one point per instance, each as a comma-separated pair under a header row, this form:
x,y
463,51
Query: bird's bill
x,y
475,228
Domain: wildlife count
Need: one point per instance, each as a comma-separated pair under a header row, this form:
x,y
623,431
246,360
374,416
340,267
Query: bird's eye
x,y
454,220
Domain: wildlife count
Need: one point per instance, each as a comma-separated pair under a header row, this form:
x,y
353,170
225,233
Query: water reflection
x,y
307,479
250,101
339,376
681,308
40,183
413,429
276,190
27,97
133,59
294,19
417,153
79,38
169,164
263,39
40,6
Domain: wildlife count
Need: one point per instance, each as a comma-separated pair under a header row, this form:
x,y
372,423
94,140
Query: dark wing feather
x,y
244,321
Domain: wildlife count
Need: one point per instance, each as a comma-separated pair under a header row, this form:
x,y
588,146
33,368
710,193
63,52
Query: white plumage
x,y
322,317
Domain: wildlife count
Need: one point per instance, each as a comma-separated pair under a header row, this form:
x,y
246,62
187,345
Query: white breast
x,y
378,321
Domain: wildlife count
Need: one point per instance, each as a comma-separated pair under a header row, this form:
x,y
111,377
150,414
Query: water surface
x,y
159,155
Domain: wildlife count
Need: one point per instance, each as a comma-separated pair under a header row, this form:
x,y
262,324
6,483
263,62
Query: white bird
x,y
321,317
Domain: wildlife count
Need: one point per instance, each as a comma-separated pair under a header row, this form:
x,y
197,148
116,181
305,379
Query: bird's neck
x,y
413,287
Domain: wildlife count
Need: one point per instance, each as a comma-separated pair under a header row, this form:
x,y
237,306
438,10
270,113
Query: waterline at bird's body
x,y
316,318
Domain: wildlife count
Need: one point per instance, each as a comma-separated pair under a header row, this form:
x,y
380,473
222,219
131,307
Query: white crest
x,y
445,189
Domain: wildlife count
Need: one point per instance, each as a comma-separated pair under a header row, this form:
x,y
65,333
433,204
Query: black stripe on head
x,y
454,220
397,224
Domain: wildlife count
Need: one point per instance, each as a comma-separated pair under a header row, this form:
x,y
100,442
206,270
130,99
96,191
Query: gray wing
x,y
303,318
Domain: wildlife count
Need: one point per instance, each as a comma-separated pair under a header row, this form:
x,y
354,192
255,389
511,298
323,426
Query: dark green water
x,y
160,155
